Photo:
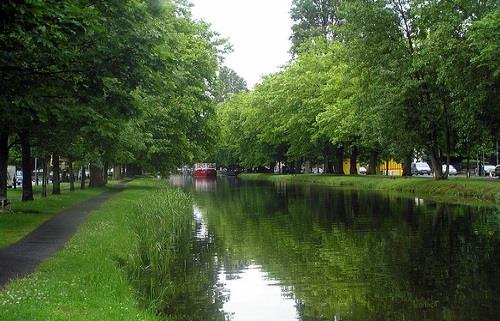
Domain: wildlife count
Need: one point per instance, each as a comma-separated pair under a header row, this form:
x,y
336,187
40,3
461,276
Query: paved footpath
x,y
22,258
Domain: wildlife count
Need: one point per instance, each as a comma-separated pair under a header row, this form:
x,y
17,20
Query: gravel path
x,y
22,258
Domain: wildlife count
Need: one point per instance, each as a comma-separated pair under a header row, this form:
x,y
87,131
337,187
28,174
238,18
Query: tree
x,y
228,83
72,73
36,54
314,19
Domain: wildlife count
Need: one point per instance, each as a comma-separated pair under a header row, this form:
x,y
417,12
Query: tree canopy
x,y
376,79
106,82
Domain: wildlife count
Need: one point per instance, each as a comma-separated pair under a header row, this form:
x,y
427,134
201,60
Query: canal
x,y
279,252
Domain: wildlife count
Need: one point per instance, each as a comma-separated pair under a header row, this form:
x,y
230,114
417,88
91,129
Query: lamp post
x,y
497,151
36,171
483,173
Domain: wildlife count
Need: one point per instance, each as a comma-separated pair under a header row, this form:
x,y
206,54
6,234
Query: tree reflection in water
x,y
350,255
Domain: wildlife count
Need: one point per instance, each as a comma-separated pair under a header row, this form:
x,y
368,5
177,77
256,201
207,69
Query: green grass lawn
x,y
24,217
453,190
84,281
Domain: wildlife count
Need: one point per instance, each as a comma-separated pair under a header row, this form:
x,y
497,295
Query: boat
x,y
204,170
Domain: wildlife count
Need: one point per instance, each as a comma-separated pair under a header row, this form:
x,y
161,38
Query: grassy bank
x,y
85,281
24,217
455,190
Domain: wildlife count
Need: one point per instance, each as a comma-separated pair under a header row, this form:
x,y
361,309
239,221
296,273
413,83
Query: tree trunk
x,y
436,162
407,164
105,173
133,170
353,168
307,167
26,165
71,175
387,167
339,160
45,177
325,164
4,158
372,164
447,170
96,177
82,182
330,165
56,174
117,172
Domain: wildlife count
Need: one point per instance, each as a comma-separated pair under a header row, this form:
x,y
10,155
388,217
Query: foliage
x,y
379,79
87,80
228,83
314,19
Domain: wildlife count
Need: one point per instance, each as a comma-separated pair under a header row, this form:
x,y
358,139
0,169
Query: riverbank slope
x,y
453,190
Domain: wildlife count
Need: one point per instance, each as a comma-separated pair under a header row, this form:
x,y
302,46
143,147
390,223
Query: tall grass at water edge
x,y
162,224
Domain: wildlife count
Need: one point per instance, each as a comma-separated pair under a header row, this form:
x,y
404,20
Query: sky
x,y
259,31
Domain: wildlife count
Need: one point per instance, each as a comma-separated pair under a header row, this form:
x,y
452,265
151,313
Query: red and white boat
x,y
205,170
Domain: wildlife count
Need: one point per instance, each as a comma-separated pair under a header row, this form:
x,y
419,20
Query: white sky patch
x,y
259,31
253,297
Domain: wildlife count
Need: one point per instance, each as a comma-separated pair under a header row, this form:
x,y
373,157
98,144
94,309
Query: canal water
x,y
281,252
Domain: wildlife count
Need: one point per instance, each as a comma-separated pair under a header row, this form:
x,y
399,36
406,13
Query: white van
x,y
452,170
421,168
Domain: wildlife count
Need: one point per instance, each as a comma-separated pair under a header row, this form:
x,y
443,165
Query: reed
x,y
162,225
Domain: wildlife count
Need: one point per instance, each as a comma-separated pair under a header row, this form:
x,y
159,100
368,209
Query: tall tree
x,y
314,19
228,83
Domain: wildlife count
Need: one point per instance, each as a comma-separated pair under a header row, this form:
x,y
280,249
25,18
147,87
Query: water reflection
x,y
253,296
314,253
202,184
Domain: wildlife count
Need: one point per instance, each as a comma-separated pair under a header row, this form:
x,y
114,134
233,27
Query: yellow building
x,y
347,166
394,168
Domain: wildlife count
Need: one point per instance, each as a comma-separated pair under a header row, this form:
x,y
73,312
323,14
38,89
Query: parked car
x,y
362,170
489,170
452,170
497,171
19,179
420,168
